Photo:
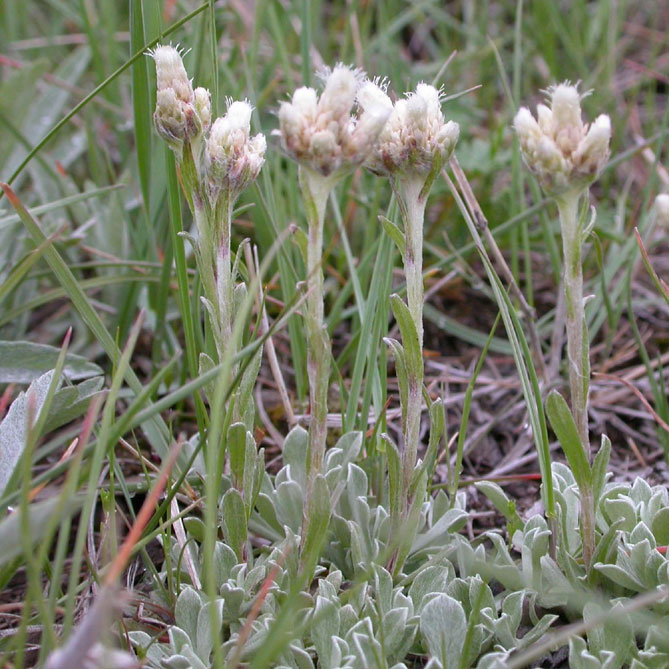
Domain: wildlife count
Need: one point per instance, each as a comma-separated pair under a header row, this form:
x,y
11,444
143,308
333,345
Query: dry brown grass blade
x,y
638,393
659,283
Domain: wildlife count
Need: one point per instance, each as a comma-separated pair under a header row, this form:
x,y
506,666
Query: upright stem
x,y
214,261
315,190
414,215
412,198
224,279
413,210
578,351
204,252
577,341
587,525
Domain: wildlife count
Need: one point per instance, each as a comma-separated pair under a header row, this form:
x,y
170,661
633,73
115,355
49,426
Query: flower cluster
x,y
182,114
558,147
232,159
416,137
321,133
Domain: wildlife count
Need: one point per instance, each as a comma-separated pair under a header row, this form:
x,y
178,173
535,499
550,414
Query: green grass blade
x,y
77,108
85,284
213,45
102,447
522,357
141,103
364,354
59,204
156,429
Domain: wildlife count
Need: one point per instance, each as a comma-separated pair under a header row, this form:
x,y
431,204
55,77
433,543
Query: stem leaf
x,y
600,466
318,513
565,429
237,450
437,424
414,360
234,521
395,234
394,472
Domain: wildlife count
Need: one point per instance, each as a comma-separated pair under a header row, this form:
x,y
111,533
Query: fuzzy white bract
x,y
558,147
232,158
202,105
171,73
416,138
322,134
181,114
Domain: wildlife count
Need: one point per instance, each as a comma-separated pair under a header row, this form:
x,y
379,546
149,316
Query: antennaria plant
x,y
320,134
132,456
567,156
412,147
216,167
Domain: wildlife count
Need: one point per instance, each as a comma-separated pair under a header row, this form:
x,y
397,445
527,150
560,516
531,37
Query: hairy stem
x,y
414,214
315,190
413,210
204,251
222,262
587,517
578,351
577,341
412,197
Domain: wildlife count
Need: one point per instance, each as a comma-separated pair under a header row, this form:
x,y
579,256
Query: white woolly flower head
x,y
416,139
557,146
322,134
661,206
232,158
182,114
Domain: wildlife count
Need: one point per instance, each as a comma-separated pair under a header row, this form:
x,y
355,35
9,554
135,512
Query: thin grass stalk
x,y
482,226
157,429
376,363
102,448
181,271
523,359
57,561
453,481
560,637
